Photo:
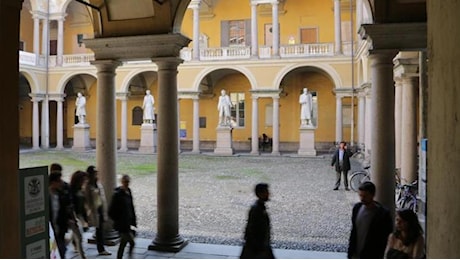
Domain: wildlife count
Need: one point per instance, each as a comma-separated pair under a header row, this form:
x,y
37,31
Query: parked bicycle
x,y
358,152
406,196
358,177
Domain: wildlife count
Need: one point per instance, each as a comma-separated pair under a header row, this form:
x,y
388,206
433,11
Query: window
x,y
308,35
137,116
236,32
238,109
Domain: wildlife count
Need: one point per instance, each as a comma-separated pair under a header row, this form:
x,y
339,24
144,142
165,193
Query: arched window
x,y
137,116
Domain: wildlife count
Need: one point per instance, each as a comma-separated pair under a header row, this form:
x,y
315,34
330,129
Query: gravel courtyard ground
x,y
215,194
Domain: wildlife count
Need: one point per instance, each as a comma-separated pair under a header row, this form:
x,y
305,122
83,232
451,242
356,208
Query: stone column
x,y
443,233
383,125
45,124
60,123
338,119
196,124
361,118
124,121
254,31
60,41
255,125
36,36
167,237
368,124
178,125
409,129
275,30
45,37
398,121
337,27
195,5
35,123
106,142
276,126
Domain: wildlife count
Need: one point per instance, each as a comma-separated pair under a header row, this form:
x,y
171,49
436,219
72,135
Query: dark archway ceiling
x,y
116,18
398,11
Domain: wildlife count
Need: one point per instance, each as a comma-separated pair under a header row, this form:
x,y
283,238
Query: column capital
x,y
106,65
137,47
37,97
195,95
58,97
395,36
406,66
167,63
265,93
195,4
123,96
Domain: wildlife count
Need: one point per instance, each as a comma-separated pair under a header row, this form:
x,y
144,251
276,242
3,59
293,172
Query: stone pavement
x,y
195,251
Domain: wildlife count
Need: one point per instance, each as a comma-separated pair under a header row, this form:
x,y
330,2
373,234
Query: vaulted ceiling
x,y
114,18
398,11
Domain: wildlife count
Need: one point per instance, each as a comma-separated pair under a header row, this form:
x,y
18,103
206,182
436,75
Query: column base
x,y
277,153
307,141
81,140
148,143
173,246
224,145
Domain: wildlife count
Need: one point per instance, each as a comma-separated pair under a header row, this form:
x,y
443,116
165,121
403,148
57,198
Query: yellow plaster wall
x,y
26,32
290,107
298,14
25,118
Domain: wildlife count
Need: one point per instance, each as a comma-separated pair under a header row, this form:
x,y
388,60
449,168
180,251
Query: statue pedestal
x,y
81,137
307,141
224,144
148,143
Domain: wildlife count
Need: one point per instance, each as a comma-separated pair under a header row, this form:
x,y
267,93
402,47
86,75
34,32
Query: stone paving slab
x,y
194,251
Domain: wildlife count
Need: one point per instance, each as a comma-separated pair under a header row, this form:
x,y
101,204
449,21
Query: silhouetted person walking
x,y
60,210
122,212
257,233
97,206
371,225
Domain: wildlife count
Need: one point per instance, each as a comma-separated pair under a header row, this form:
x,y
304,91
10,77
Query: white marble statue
x,y
224,106
306,108
149,110
80,105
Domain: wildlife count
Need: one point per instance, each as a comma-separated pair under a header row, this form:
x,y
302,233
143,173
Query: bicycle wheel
x,y
409,202
357,178
358,155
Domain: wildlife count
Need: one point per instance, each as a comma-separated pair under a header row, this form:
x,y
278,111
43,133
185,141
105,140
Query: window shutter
x,y
247,29
224,33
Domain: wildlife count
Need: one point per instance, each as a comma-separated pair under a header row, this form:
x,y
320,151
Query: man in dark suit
x,y
371,225
257,234
341,161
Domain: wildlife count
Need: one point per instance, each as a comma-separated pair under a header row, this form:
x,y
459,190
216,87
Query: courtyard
x,y
216,192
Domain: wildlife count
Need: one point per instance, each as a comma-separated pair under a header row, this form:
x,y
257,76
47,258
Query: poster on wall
x,y
183,129
33,189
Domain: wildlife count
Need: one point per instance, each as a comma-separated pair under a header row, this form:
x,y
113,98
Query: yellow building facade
x,y
311,54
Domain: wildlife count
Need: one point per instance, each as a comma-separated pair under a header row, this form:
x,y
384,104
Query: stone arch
x,y
240,69
66,78
127,79
32,79
327,69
